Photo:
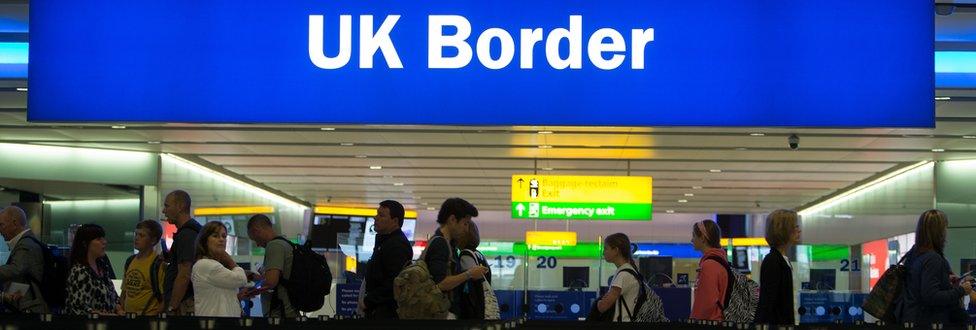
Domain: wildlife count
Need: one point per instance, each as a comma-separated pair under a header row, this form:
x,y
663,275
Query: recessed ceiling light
x,y
21,89
757,134
118,126
153,142
376,167
942,98
360,156
398,184
689,195
715,171
696,187
969,136
547,168
682,201
430,209
938,150
545,147
327,128
347,144
545,132
669,211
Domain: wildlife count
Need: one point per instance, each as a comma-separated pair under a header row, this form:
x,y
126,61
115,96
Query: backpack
x,y
54,279
481,294
310,279
157,263
884,297
416,294
648,308
741,297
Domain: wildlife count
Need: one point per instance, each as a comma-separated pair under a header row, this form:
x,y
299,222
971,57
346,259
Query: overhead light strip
x,y
189,165
864,188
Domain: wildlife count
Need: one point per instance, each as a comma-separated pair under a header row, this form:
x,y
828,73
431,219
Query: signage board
x,y
551,238
827,63
581,197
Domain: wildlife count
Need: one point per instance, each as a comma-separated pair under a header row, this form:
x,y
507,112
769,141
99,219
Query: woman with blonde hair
x,y
776,273
929,296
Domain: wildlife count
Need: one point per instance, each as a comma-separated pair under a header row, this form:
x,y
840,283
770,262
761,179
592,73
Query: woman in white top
x,y
216,277
625,286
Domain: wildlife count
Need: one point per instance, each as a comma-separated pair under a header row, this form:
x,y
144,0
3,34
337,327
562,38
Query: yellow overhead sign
x,y
247,210
745,241
581,189
581,197
551,238
355,211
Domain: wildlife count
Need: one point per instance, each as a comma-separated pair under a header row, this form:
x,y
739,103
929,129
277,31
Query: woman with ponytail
x,y
625,287
713,277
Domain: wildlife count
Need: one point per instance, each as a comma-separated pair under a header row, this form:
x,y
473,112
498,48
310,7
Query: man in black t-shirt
x,y
177,290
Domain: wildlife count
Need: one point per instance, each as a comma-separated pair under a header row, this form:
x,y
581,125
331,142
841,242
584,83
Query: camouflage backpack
x,y
416,294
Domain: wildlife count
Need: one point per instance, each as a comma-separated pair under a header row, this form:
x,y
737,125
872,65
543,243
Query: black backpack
x,y
310,280
54,279
157,262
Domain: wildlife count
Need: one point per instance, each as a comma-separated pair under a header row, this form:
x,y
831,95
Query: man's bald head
x,y
14,214
13,220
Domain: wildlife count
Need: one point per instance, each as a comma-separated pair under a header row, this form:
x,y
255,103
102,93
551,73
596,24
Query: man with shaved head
x,y
177,290
25,264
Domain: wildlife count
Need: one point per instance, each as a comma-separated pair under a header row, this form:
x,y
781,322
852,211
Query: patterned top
x,y
87,292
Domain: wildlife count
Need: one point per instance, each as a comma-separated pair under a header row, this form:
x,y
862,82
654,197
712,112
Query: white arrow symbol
x,y
520,208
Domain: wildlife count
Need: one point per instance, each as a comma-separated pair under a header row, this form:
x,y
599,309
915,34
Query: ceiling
x,y
714,170
757,173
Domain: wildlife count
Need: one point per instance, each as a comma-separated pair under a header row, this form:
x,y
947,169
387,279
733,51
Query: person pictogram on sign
x,y
534,188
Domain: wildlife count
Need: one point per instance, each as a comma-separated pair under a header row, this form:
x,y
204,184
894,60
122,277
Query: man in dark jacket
x,y
25,264
390,254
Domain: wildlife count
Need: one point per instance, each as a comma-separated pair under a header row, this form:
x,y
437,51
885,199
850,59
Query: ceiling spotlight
x,y
118,126
715,171
360,156
696,187
347,144
669,211
398,184
424,203
943,98
682,201
741,149
938,150
376,167
547,169
327,128
757,134
153,142
545,147
545,132
430,209
21,89
689,195
969,136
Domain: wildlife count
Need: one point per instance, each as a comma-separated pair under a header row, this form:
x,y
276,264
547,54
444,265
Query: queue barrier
x,y
47,321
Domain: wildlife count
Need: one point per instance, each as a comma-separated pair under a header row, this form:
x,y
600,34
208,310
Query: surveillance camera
x,y
944,9
794,142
